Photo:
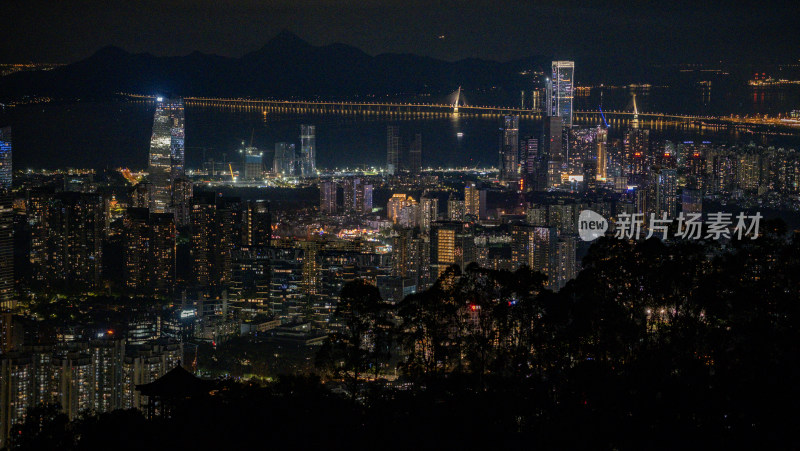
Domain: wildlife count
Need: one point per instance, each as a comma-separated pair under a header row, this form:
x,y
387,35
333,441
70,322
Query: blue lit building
x,y
6,222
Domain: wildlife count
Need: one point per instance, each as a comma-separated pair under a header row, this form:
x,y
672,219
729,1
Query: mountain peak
x,y
110,50
287,39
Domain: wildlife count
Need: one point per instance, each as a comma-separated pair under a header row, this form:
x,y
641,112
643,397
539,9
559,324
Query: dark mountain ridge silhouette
x,y
285,67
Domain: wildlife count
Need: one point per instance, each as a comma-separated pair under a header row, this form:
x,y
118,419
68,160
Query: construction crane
x,y
233,179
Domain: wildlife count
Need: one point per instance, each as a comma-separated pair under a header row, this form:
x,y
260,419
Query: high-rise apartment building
x,y
509,149
452,243
428,211
213,224
149,251
66,238
357,196
327,197
636,154
256,224
474,201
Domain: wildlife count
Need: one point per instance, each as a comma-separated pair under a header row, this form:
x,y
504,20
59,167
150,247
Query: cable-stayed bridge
x,y
455,105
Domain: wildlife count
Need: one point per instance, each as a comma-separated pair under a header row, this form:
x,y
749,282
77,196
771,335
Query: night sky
x,y
652,31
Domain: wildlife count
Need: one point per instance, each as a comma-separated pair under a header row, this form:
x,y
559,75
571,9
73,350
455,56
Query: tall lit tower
x,y
602,153
327,197
393,149
6,222
561,91
167,158
308,151
509,149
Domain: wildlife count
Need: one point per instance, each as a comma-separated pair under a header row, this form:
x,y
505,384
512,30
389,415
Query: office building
x,y
308,151
167,159
392,149
561,91
6,222
283,163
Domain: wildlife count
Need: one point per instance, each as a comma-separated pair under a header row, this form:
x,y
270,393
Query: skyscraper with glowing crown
x,y
167,159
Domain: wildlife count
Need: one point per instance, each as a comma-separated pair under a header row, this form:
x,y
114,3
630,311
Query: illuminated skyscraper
x,y
392,149
167,158
71,238
308,151
602,153
256,224
212,241
5,158
529,155
357,196
327,197
351,185
667,180
636,154
284,160
561,91
553,149
6,222
474,201
509,149
428,212
182,192
149,251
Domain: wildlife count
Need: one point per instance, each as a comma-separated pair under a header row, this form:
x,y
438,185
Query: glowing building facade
x,y
561,91
6,222
167,158
308,151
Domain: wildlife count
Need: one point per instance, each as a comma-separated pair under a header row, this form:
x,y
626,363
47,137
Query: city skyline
x,y
596,249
